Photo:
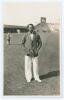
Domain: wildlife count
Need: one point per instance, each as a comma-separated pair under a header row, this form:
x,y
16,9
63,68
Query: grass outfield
x,y
14,78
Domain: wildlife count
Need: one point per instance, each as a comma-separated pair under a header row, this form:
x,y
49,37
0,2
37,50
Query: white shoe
x,y
38,80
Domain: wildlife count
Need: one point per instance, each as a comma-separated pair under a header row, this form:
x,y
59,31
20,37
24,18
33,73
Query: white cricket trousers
x,y
28,64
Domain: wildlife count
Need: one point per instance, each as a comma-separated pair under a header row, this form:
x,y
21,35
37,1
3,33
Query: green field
x,y
14,78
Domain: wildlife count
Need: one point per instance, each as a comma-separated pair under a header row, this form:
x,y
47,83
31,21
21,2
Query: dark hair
x,y
29,25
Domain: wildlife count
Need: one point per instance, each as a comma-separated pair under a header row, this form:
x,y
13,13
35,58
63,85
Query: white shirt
x,y
32,36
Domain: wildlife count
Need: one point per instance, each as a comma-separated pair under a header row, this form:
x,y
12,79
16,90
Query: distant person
x,y
31,44
18,31
8,38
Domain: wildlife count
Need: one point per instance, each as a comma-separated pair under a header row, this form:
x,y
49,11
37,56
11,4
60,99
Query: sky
x,y
18,13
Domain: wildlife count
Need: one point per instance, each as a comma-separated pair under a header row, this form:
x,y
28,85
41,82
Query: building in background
x,y
41,27
14,28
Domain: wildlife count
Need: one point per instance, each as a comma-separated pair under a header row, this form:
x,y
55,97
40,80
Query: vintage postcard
x,y
31,48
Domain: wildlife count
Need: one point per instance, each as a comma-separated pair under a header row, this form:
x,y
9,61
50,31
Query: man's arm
x,y
23,44
39,43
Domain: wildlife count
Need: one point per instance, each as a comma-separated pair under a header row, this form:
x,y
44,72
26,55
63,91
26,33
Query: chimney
x,y
43,19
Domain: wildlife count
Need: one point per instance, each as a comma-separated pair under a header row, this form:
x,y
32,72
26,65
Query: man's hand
x,y
36,52
31,53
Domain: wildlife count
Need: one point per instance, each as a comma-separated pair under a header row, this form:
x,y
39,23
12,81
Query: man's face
x,y
30,28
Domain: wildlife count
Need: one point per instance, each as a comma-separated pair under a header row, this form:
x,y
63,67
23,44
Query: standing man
x,y
18,31
8,38
31,44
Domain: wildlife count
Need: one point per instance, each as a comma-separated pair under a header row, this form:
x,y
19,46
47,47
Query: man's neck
x,y
32,32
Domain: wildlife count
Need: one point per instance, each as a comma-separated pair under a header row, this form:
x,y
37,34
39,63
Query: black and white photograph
x,y
31,35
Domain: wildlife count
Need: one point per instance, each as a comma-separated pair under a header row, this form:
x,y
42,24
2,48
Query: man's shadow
x,y
49,75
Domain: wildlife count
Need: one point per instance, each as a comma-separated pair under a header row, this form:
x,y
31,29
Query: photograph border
x,y
61,54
